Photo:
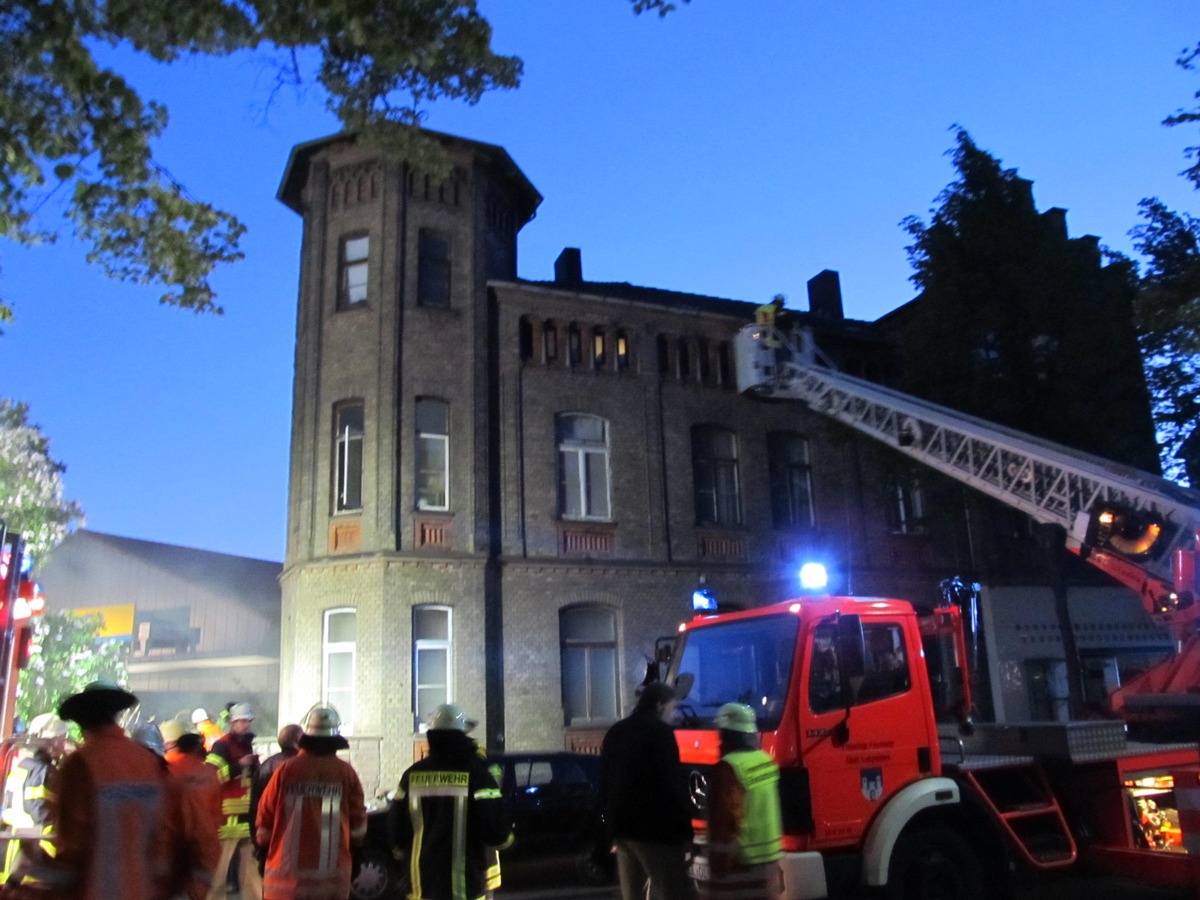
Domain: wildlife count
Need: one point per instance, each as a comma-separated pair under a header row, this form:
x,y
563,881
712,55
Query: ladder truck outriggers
x,y
865,704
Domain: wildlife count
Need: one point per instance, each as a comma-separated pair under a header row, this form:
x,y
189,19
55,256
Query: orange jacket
x,y
309,814
119,825
210,732
201,799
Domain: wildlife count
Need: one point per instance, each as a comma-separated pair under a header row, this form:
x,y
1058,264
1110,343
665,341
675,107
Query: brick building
x,y
503,491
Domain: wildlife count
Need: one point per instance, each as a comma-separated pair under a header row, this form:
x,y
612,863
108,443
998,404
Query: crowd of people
x,y
180,810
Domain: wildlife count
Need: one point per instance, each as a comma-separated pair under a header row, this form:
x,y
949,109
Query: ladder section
x,y
1052,483
1020,800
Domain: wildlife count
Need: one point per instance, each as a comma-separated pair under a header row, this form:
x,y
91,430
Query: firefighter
x,y
445,857
310,814
29,797
235,761
745,825
206,727
111,779
201,800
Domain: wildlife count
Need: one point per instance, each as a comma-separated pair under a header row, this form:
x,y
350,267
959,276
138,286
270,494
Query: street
x,y
553,880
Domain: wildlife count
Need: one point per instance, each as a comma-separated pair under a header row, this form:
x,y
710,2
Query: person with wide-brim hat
x,y
112,778
98,701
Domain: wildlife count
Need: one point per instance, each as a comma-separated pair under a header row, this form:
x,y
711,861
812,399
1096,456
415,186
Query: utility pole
x,y
13,545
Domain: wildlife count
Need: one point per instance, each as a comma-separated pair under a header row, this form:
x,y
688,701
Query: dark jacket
x,y
642,782
425,811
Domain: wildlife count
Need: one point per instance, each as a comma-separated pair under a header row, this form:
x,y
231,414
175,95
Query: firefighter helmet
x,y
172,730
199,714
148,735
240,711
47,725
322,721
736,717
448,717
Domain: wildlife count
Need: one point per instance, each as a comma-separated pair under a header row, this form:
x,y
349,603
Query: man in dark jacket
x,y
447,812
645,799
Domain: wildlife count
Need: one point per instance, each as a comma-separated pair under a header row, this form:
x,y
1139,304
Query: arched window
x,y
339,643
588,642
583,471
715,474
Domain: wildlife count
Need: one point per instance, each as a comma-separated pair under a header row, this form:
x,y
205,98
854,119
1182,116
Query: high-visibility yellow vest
x,y
760,840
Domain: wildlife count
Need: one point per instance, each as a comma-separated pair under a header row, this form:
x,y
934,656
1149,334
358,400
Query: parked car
x,y
553,800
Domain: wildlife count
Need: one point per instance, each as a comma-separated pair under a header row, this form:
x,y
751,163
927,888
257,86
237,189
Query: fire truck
x,y
865,703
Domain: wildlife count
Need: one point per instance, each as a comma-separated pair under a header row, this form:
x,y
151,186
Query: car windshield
x,y
746,661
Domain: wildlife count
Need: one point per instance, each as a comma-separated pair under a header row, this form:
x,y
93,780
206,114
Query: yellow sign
x,y
118,620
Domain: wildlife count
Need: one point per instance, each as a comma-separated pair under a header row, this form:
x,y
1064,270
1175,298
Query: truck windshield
x,y
747,661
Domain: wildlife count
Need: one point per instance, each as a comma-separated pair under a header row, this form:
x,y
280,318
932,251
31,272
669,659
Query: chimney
x,y
825,295
568,268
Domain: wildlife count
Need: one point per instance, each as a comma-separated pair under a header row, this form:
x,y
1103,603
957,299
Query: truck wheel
x,y
934,863
376,877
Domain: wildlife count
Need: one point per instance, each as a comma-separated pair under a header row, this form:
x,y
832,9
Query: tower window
x,y
354,266
433,269
349,456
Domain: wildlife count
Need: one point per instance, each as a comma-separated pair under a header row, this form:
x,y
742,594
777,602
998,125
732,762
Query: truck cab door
x,y
862,737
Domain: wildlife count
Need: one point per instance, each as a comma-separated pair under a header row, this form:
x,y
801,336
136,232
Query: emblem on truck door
x,y
872,783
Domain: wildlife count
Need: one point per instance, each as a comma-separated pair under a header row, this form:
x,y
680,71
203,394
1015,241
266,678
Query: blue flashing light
x,y
813,576
703,599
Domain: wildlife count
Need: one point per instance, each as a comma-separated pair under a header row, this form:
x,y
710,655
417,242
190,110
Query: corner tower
x,y
392,518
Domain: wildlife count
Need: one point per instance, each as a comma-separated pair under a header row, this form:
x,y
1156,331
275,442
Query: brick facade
x,y
508,356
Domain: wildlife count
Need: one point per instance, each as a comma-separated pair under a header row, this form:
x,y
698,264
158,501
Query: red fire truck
x,y
865,703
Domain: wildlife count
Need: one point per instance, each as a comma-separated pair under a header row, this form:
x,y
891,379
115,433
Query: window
x,y
349,456
574,346
703,360
525,338
739,661
906,505
663,349
338,644
622,351
791,480
885,667
589,664
724,365
550,341
433,269
599,348
433,454
582,467
353,268
685,360
714,470
433,682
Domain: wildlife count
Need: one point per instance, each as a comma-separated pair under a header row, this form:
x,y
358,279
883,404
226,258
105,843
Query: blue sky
x,y
731,149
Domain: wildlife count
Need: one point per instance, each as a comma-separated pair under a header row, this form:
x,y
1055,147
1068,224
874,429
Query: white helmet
x,y
47,725
448,717
240,711
199,715
322,721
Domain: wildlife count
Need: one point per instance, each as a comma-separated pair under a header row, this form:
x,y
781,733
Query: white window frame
x,y
588,647
432,439
579,462
427,644
345,442
355,272
331,648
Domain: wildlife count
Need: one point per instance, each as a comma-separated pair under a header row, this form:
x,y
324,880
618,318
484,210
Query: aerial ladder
x,y
1141,529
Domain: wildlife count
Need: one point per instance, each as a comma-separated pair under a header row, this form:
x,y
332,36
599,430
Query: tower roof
x,y
493,156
